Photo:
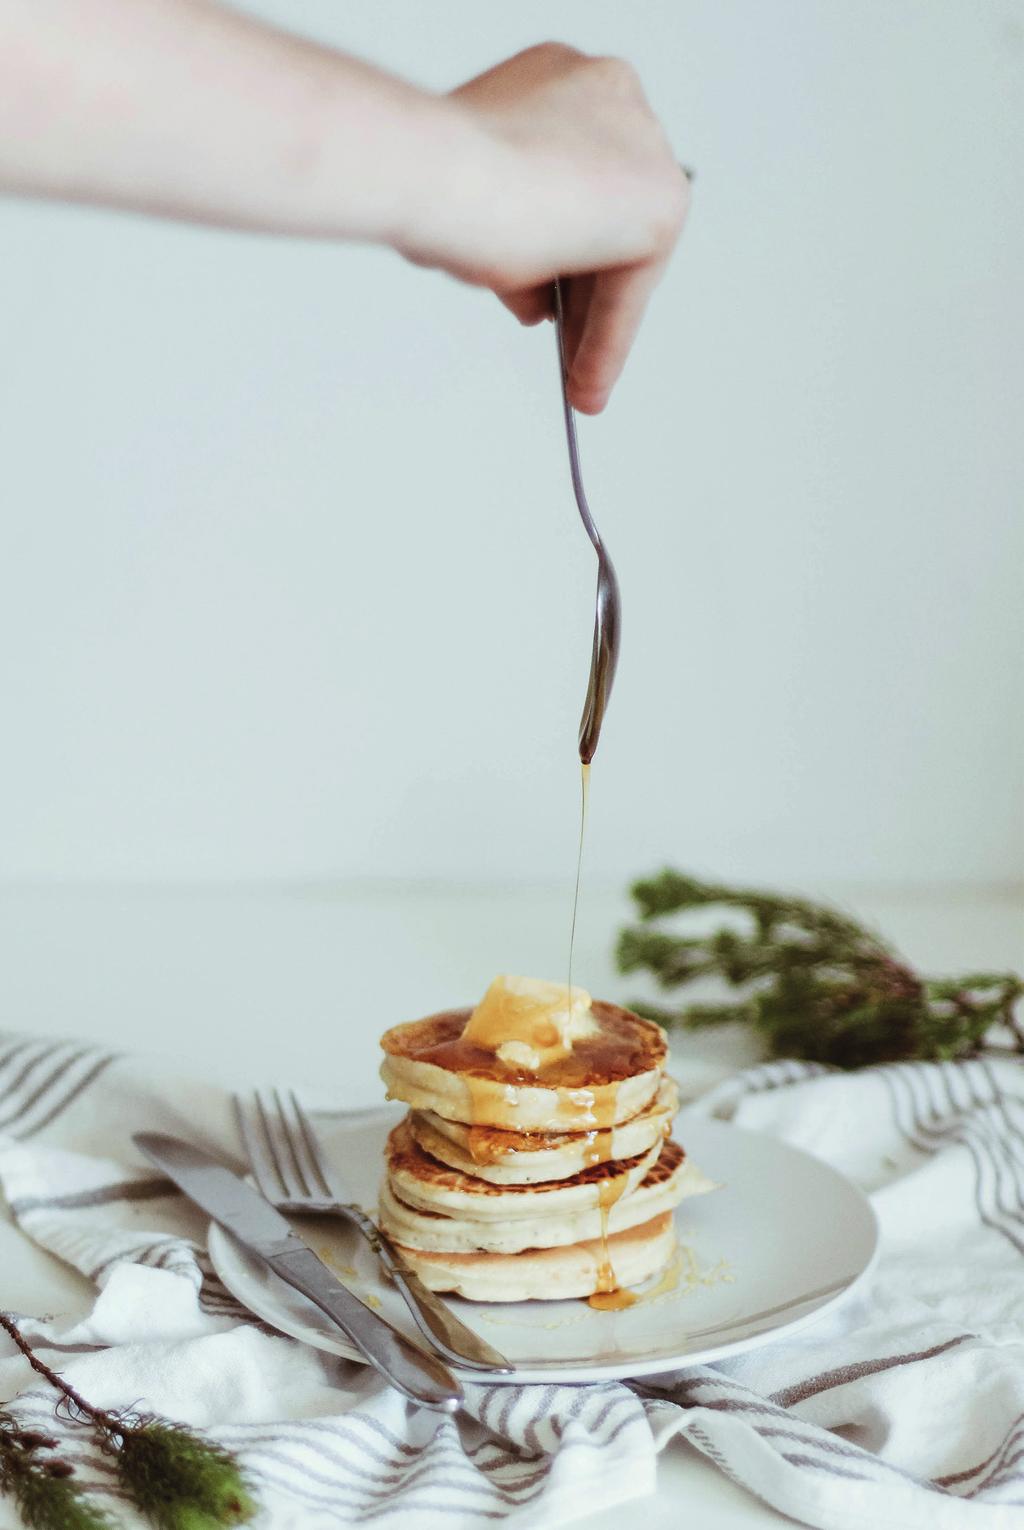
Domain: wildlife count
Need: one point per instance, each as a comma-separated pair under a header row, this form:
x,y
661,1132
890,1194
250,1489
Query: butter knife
x,y
244,1213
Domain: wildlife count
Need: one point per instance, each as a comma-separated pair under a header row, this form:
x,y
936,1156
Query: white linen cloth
x,y
904,1408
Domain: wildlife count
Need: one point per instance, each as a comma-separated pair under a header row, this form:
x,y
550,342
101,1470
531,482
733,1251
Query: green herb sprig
x,y
175,1477
812,982
41,1483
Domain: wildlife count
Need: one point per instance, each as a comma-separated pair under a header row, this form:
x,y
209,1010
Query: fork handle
x,y
433,1317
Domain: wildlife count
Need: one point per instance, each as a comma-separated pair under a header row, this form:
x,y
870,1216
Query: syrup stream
x,y
584,800
610,1190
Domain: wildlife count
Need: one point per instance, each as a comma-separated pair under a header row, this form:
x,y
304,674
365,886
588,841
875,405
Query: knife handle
x,y
419,1376
433,1317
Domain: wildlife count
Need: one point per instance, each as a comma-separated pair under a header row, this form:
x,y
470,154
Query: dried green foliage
x,y
811,981
41,1484
175,1477
179,1480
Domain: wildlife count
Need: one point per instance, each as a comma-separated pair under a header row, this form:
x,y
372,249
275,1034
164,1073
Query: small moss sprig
x,y
41,1484
813,983
175,1477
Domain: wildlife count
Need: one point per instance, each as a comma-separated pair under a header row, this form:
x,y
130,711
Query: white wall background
x,y
291,582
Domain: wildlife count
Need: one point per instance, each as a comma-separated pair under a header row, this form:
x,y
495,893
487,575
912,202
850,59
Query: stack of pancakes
x,y
506,1183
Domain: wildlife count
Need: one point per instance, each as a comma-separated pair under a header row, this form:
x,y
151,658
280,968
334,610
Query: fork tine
x,y
259,1144
313,1148
268,1103
297,1149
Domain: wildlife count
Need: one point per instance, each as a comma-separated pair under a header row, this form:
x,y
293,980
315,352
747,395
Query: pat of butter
x,y
526,1022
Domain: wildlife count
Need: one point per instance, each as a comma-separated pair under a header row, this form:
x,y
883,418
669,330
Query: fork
x,y
291,1172
608,611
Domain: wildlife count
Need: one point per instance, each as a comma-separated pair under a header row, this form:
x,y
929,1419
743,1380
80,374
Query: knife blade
x,y
244,1213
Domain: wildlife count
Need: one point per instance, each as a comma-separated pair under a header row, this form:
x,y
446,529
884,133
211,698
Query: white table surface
x,y
246,983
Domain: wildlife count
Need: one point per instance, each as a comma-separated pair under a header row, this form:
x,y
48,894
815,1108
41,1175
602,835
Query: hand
x,y
551,164
572,176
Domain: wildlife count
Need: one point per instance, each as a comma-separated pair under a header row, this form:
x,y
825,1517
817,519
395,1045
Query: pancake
x,y
668,1181
526,1158
606,1079
421,1182
551,1274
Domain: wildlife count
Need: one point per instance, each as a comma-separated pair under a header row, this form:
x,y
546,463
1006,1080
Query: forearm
x,y
549,164
184,108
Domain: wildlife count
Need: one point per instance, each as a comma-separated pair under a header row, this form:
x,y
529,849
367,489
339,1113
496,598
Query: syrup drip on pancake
x,y
618,1301
478,1093
615,1299
608,1194
487,1144
598,1146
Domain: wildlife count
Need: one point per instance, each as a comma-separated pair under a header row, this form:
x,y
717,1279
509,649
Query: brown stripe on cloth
x,y
825,1466
1009,1438
708,1448
511,1486
44,1088
820,1439
123,1190
1001,1473
517,1485
10,1055
40,1341
978,1140
489,1455
823,1382
11,1086
70,1096
132,1254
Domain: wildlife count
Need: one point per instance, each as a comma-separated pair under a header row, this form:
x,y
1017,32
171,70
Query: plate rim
x,y
227,1255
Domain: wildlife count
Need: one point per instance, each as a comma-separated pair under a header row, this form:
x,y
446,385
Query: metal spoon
x,y
605,654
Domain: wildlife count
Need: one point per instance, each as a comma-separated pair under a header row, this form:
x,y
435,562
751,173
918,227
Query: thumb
x,y
530,304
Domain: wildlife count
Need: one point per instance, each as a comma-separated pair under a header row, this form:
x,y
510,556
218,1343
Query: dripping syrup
x,y
608,1193
598,1148
584,801
612,1301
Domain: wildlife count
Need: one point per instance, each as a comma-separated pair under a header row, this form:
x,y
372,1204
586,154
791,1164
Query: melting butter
x,y
526,1022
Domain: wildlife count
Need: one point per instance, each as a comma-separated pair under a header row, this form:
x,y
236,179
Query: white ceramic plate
x,y
783,1240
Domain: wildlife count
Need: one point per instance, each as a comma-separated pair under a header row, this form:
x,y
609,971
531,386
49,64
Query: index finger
x,y
601,338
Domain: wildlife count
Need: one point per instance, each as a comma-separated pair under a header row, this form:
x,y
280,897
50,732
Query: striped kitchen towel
x,y
903,1408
